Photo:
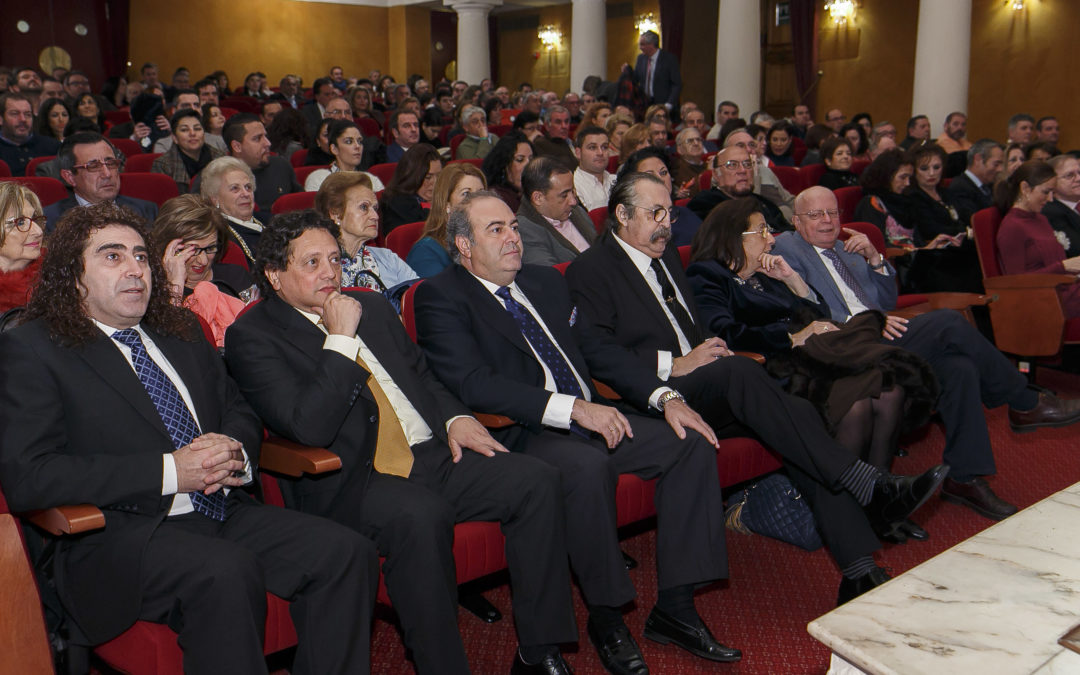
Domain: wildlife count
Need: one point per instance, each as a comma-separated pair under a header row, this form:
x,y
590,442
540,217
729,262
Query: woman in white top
x,y
347,147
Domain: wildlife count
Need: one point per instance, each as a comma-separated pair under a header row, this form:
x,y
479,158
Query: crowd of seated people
x,y
486,232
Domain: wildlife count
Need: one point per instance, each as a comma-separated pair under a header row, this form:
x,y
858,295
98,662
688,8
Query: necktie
x,y
682,317
847,277
393,455
986,189
648,78
174,413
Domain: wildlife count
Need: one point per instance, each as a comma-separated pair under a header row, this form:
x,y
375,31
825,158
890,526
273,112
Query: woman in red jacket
x,y
21,233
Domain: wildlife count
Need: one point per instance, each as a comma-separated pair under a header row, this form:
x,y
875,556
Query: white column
x,y
588,42
473,47
738,54
942,60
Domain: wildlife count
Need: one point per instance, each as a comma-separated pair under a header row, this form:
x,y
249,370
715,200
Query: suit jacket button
x,y
373,419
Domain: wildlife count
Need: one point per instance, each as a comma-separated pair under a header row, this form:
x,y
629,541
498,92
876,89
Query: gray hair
x,y
468,111
552,110
760,116
214,172
623,193
650,37
459,225
982,148
681,136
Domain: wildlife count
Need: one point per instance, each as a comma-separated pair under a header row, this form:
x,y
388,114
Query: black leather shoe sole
x,y
1035,426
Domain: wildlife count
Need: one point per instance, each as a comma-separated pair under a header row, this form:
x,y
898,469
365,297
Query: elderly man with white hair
x,y
478,140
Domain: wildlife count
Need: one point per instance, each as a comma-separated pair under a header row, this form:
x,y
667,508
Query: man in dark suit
x,y
972,191
112,397
1062,211
90,165
554,227
315,110
501,336
18,142
339,371
557,144
657,72
733,177
852,276
652,319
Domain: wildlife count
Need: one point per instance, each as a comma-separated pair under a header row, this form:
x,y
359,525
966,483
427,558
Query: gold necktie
x,y
392,452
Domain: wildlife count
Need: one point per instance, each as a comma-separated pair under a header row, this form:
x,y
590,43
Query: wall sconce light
x,y
1016,5
841,11
549,36
646,22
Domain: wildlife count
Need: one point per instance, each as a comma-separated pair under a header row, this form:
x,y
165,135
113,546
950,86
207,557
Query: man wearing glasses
x,y
688,163
853,277
733,177
90,165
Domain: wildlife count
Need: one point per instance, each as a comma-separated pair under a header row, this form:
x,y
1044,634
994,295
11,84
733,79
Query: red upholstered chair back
x,y
599,218
847,198
298,158
408,310
613,164
859,165
127,146
368,126
5,170
48,190
682,202
790,178
228,112
798,150
32,165
141,163
684,255
302,172
153,187
234,255
811,175
296,201
705,180
562,266
118,116
402,238
454,143
506,117
384,172
871,231
985,224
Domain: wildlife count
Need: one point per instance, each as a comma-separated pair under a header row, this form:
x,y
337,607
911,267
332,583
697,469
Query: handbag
x,y
773,507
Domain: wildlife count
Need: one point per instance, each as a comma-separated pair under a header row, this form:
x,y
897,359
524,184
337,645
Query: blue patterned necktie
x,y
178,420
848,277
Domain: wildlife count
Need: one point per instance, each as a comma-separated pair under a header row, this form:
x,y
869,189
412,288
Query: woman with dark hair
x,y
87,106
1026,242
408,196
115,90
318,153
503,166
729,126
347,147
865,391
213,121
51,119
430,255
934,265
684,222
815,136
1043,152
857,139
189,152
222,80
1014,157
930,212
866,122
779,141
836,151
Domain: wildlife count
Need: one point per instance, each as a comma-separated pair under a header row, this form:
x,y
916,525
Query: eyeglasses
x,y
659,213
692,141
733,164
95,166
1072,175
763,232
22,223
335,113
210,250
818,214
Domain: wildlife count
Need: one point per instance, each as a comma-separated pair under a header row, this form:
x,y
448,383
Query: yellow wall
x,y
409,42
274,36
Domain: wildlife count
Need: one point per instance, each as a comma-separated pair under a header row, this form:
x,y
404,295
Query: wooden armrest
x,y
606,391
69,519
494,421
957,301
1027,281
752,355
891,253
292,459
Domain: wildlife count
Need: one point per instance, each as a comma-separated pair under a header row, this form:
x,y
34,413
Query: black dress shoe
x,y
913,531
900,531
663,628
552,664
1050,411
977,495
618,651
897,497
853,588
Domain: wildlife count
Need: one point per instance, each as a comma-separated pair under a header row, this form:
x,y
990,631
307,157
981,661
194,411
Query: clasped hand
x,y
209,463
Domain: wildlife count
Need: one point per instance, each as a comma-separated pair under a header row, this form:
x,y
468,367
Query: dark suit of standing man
x,y
972,191
77,425
528,367
306,383
971,371
662,83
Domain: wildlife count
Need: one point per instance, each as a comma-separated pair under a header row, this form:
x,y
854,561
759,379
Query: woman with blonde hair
x,y
617,125
635,138
21,232
596,115
430,255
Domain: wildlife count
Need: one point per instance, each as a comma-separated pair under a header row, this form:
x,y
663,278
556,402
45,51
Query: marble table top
x,y
994,603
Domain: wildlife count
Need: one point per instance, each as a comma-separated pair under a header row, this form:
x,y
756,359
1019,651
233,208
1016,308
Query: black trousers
x,y
735,394
412,520
972,373
208,581
690,545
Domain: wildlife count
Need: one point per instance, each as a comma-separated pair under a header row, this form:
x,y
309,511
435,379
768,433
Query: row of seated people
x,y
546,389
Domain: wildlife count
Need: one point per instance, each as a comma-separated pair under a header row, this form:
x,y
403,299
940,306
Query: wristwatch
x,y
880,265
667,397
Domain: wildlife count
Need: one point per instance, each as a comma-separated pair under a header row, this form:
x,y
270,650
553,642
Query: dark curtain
x,y
672,13
804,41
114,17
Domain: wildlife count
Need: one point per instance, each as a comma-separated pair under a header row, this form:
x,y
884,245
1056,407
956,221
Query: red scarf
x,y
15,286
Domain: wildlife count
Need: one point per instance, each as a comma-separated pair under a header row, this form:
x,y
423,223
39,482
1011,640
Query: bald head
x,y
811,219
734,172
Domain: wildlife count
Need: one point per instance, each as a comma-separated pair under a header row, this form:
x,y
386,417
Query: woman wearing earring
x,y
230,186
1025,241
347,147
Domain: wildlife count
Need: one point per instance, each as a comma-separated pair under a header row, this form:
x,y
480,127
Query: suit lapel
x,y
819,276
104,357
182,357
529,213
491,311
558,325
638,287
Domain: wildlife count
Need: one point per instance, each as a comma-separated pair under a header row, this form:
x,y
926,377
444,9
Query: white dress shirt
x,y
591,191
852,300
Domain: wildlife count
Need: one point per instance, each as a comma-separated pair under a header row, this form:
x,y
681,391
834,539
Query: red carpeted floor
x,y
775,589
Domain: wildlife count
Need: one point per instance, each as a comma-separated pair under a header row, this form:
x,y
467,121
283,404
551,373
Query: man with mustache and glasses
x,y
90,165
630,289
503,337
733,177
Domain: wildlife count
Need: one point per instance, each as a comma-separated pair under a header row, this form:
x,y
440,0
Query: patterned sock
x,y
859,479
861,567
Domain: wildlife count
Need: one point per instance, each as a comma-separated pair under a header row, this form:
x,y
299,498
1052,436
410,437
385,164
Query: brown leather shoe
x,y
977,495
1051,411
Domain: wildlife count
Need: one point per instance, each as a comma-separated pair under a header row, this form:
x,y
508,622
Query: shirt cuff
x,y
557,411
247,466
455,418
168,474
345,345
663,365
654,398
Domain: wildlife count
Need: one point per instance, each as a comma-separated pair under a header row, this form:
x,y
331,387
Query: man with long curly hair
x,y
111,396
